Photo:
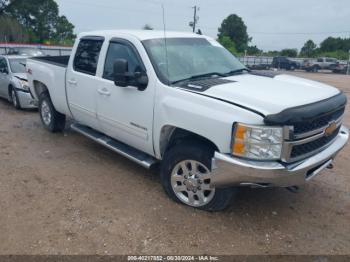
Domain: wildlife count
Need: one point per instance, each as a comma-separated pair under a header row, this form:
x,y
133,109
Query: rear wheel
x,y
186,177
51,119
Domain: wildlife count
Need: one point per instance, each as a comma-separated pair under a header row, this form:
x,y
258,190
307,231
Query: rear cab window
x,y
87,55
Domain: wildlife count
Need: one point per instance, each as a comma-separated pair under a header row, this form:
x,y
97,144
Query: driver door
x,y
125,113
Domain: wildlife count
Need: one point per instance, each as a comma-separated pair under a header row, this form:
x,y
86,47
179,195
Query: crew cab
x,y
322,63
184,102
13,82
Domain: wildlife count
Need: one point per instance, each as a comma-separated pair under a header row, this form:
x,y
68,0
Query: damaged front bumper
x,y
233,171
26,99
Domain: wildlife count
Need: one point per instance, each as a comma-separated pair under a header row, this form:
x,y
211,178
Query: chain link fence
x,y
32,49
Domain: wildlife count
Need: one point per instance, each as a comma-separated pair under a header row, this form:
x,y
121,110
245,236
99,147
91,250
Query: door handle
x,y
72,82
104,92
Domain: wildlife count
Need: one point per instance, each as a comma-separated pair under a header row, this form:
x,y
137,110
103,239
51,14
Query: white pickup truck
x,y
322,63
183,101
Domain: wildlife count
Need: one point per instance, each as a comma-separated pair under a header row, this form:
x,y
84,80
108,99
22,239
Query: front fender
x,y
205,116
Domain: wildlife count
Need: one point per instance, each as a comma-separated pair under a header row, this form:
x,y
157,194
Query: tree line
x,y
233,36
38,21
34,21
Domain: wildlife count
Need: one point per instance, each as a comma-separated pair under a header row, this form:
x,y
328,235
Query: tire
x,y
315,69
177,168
52,120
14,99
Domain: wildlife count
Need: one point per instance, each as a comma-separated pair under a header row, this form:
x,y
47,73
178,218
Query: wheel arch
x,y
172,135
39,88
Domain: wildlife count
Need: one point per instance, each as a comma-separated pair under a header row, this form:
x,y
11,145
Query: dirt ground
x,y
64,194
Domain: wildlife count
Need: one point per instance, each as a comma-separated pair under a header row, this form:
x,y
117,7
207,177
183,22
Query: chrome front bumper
x,y
232,171
25,99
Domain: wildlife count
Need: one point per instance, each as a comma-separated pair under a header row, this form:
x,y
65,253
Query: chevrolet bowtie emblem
x,y
330,129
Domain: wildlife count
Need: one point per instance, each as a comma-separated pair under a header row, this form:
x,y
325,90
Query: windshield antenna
x,y
165,45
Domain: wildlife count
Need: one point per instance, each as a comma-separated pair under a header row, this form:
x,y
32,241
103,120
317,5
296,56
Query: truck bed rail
x,y
55,60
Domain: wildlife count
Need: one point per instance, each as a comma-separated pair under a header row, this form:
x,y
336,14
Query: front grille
x,y
309,125
304,149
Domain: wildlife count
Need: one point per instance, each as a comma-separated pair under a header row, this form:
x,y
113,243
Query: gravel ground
x,y
64,194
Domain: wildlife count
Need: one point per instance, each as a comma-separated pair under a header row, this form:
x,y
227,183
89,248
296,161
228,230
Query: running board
x,y
127,151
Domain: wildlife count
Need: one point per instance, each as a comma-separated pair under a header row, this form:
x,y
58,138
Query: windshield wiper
x,y
237,71
199,77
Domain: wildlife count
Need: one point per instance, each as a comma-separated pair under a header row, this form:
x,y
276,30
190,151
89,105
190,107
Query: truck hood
x,y
271,95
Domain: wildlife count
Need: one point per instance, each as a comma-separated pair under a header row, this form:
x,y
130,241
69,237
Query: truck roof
x,y
142,34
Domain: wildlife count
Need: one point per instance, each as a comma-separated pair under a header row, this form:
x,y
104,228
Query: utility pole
x,y
195,18
5,45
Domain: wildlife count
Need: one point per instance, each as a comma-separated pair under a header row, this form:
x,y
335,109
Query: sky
x,y
273,24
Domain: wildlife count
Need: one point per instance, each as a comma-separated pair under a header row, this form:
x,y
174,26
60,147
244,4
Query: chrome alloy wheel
x,y
45,113
191,183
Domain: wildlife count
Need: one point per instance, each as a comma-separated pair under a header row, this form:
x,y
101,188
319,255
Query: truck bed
x,y
50,71
55,60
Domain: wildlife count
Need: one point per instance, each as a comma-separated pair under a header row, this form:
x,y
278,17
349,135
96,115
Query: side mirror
x,y
123,78
120,71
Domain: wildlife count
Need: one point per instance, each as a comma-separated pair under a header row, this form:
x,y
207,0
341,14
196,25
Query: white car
x,y
188,104
13,82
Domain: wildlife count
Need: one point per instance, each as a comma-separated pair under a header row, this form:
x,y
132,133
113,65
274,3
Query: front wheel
x,y
186,177
15,100
51,119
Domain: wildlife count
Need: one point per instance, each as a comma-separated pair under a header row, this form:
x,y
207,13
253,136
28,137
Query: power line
x,y
300,33
286,33
121,9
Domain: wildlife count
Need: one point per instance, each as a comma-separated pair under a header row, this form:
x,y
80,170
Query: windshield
x,y
190,57
18,65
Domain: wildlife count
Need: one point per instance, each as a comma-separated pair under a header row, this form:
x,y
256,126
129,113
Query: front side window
x,y
121,51
3,65
18,65
86,56
331,60
183,58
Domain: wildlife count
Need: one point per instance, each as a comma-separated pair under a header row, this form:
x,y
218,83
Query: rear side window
x,y
86,56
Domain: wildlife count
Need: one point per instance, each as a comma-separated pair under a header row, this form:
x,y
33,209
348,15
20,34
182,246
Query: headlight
x,y
257,142
24,84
